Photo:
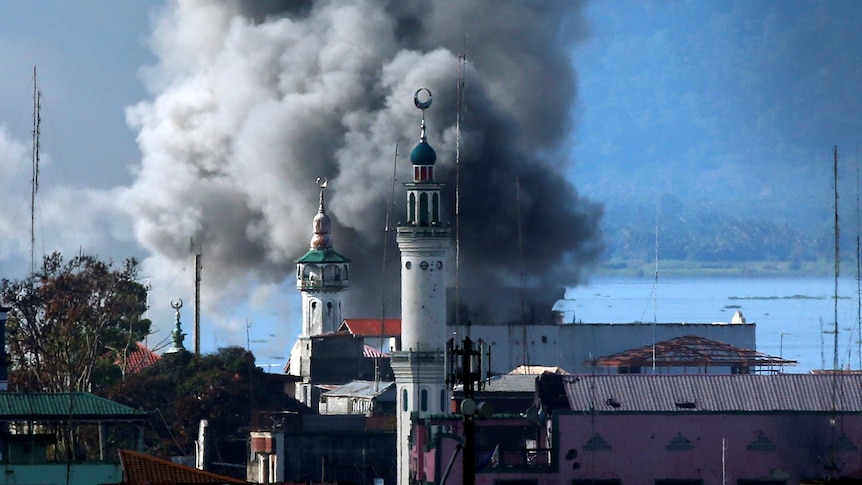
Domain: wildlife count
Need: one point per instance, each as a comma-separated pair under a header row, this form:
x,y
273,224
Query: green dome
x,y
423,154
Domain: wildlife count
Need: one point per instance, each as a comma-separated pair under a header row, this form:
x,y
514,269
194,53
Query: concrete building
x,y
662,429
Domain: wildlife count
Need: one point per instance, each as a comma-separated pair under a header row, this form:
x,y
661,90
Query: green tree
x,y
225,388
71,318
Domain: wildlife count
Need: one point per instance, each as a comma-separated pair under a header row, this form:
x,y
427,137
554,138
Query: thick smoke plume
x,y
253,102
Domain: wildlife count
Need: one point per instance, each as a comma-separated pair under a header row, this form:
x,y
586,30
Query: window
x,y
443,400
435,208
423,209
423,399
404,400
411,207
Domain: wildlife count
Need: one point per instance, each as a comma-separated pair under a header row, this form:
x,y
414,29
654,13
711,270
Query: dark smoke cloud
x,y
253,101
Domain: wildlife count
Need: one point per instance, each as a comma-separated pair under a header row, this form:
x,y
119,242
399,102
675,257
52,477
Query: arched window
x,y
404,400
435,208
423,400
329,308
411,207
443,400
423,209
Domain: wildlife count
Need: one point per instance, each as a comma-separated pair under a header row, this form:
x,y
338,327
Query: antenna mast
x,y
837,263
858,275
34,182
462,60
389,205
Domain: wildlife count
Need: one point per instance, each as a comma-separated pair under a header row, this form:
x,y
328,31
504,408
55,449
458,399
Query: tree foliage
x,y
70,318
182,389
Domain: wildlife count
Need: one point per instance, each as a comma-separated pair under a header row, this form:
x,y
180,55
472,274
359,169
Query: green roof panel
x,y
322,256
63,405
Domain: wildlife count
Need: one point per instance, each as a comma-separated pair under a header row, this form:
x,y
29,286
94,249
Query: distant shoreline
x,y
743,269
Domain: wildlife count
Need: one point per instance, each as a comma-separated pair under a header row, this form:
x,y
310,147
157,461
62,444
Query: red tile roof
x,y
139,468
139,358
370,327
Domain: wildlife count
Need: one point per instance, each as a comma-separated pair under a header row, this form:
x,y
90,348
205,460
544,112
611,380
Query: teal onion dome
x,y
423,154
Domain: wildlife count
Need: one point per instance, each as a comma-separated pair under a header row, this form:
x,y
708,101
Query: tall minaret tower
x,y
322,277
419,365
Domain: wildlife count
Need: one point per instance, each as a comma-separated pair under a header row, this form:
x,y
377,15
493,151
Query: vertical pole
x,y
198,303
103,441
469,457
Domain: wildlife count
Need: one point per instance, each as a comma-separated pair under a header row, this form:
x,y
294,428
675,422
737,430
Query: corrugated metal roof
x,y
370,327
512,383
371,352
535,370
65,405
364,389
720,393
690,351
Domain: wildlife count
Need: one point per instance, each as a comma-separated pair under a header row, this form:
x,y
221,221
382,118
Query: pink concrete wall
x,y
784,446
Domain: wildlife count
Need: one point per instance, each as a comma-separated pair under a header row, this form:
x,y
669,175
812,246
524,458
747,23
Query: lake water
x,y
795,317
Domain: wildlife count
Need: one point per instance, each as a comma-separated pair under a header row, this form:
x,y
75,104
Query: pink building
x,y
662,430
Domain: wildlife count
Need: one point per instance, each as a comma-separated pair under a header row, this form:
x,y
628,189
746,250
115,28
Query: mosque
x,y
372,384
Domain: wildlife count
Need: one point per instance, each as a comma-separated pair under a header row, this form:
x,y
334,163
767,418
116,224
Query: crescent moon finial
x,y
322,182
177,304
423,105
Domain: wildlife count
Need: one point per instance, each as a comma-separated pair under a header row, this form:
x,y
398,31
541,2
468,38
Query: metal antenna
x,y
34,183
462,61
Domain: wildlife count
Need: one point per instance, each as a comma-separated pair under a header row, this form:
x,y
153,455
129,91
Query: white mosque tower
x,y
424,242
321,277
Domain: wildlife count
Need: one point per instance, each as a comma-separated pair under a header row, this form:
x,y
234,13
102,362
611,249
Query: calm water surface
x,y
795,317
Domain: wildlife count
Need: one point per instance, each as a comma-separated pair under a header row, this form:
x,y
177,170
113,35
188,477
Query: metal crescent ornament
x,y
322,182
177,304
423,105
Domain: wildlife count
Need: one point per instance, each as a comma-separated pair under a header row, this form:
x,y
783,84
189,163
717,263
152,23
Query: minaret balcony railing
x,y
425,231
318,284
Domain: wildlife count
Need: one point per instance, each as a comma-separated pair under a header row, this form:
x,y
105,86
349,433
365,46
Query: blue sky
x,y
693,97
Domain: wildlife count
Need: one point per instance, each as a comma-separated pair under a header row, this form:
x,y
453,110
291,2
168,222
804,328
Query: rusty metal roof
x,y
690,351
372,327
141,468
714,393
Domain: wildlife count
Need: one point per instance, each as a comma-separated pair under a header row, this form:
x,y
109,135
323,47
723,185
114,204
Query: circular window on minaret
x,y
408,265
439,264
423,265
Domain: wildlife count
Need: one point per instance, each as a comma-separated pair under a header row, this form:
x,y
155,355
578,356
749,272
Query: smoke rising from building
x,y
251,103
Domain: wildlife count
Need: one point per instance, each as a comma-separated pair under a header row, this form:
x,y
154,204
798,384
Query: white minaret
x,y
321,277
424,242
